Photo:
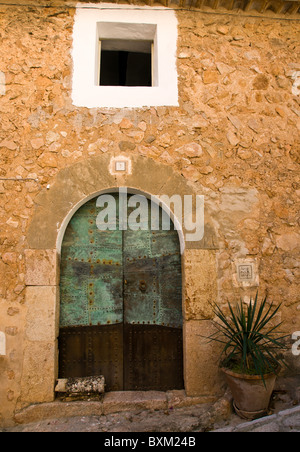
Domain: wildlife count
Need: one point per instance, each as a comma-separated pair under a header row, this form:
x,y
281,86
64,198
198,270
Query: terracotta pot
x,y
251,397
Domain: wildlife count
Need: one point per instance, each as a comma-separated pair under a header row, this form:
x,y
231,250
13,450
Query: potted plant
x,y
250,357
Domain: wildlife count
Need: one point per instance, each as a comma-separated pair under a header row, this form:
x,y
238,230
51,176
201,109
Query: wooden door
x,y
121,304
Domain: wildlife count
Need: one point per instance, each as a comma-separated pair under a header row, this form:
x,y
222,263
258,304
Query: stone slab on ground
x,y
197,418
284,421
136,411
153,411
109,403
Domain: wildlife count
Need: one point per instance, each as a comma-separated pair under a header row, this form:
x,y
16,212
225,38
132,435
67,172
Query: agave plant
x,y
252,343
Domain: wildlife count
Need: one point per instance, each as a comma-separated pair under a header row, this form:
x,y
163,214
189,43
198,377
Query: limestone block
x,y
39,367
128,400
190,150
209,240
57,410
200,274
85,385
41,268
147,176
201,370
288,242
40,345
42,313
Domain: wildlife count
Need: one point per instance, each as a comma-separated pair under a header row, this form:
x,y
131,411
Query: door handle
x,y
143,286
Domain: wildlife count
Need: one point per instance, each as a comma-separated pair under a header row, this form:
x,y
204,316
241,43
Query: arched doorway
x,y
121,297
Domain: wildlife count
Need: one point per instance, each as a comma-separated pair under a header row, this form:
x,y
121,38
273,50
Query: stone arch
x,y
130,191
72,187
76,184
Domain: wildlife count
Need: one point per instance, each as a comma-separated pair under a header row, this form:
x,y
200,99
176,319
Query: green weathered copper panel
x,y
152,273
91,272
94,264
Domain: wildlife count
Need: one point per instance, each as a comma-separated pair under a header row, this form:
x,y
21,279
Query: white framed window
x,y
124,56
127,54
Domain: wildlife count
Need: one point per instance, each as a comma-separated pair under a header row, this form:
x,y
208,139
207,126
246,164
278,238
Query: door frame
x,y
127,328
55,205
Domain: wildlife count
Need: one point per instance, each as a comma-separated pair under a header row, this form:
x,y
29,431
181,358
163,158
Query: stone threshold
x,y
109,403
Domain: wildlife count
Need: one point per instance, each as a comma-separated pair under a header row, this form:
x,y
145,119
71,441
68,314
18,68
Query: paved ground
x,y
183,420
134,415
193,419
158,417
144,421
285,421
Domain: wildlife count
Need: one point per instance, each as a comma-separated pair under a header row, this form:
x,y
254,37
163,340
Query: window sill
x,y
125,97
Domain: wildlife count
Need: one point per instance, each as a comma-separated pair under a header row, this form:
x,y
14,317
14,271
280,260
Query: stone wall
x,y
234,138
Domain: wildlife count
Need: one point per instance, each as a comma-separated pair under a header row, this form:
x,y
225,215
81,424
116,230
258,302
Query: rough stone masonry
x,y
234,138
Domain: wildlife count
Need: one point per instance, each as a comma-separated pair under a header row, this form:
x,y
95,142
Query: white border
x,y
85,93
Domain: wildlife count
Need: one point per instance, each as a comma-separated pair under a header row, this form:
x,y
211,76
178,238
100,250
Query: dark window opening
x,y
126,63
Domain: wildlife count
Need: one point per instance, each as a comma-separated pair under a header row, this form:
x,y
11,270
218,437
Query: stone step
x,y
111,402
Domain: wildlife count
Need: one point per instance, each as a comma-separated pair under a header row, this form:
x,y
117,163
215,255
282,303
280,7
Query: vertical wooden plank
x,y
152,358
90,351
